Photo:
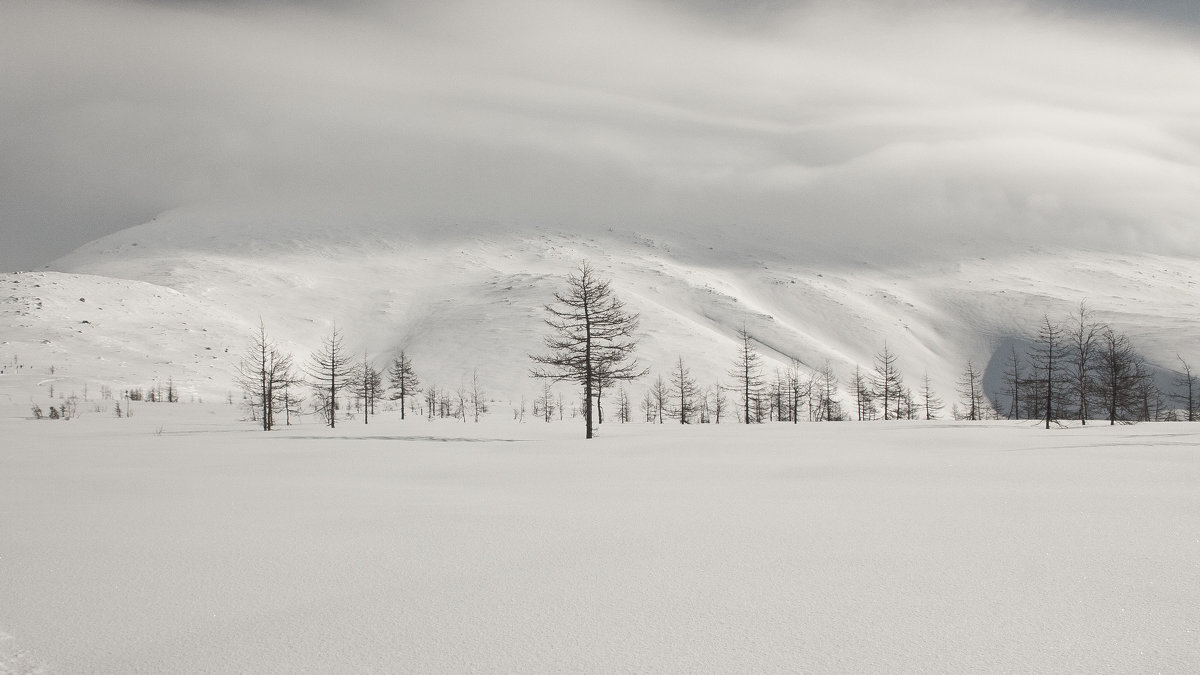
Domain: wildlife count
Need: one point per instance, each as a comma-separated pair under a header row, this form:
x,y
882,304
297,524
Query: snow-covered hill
x,y
178,297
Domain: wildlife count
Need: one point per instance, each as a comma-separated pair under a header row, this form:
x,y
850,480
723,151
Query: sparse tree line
x,y
793,395
333,382
1077,369
69,405
1082,369
591,344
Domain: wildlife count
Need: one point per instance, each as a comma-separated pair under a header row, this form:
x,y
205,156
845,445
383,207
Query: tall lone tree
x,y
593,339
747,372
329,370
405,383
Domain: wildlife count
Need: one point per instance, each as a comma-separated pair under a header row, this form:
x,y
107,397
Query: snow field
x,y
177,541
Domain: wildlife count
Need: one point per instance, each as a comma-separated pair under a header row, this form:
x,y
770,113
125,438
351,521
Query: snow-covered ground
x,y
181,540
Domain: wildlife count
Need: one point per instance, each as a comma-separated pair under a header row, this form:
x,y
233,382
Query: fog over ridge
x,y
986,124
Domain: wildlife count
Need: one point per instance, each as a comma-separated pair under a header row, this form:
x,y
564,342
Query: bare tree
x,y
720,402
366,383
478,399
888,381
1118,375
647,405
824,385
264,374
1081,353
797,389
432,398
543,405
683,393
462,398
328,371
292,403
624,407
747,372
660,395
519,412
1187,381
970,391
593,338
1012,380
1048,365
1149,396
405,383
864,395
929,401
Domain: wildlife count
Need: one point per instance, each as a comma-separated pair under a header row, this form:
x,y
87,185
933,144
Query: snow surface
x,y
179,540
178,298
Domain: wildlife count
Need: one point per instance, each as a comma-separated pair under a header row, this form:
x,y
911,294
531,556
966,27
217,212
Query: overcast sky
x,y
980,121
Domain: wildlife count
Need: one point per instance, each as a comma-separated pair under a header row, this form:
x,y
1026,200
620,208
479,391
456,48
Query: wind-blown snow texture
x,y
179,297
174,542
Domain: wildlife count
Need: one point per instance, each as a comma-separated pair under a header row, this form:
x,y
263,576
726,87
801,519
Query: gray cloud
x,y
987,125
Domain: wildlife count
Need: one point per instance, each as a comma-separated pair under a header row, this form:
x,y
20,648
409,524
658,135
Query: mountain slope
x,y
178,298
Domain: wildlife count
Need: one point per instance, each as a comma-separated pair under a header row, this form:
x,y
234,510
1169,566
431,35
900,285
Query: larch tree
x,y
624,406
888,381
366,383
1186,380
478,398
720,402
405,383
1013,380
264,375
824,385
864,395
1048,364
543,405
647,406
683,393
329,370
1081,352
660,395
1149,398
797,390
747,372
929,401
593,338
1117,375
970,391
